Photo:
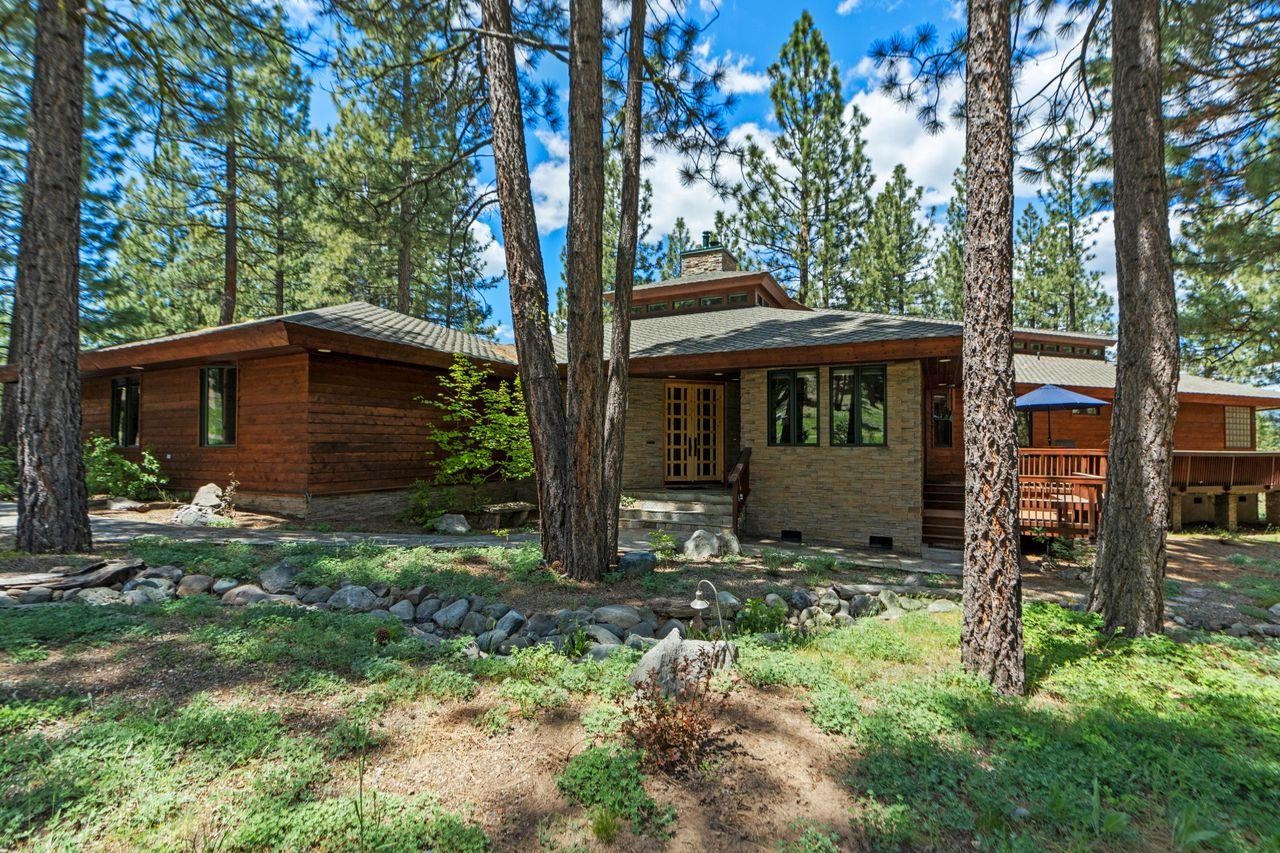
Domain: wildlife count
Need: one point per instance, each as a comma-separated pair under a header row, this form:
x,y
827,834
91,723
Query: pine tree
x,y
893,259
802,205
396,199
667,263
948,258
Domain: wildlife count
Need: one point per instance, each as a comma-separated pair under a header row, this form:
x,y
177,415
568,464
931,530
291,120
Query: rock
x,y
452,523
135,597
622,615
893,613
193,585
380,589
890,599
428,638
773,600
727,543
490,641
358,598
912,603
941,605
510,623
863,605
603,635
674,608
381,613
123,504
672,625
163,584
540,624
208,495
496,610
634,564
1239,629
643,628
1267,629
193,516
729,603
801,600
913,579
829,602
843,620
640,643
279,578
402,610
173,573
426,609
701,545
414,596
315,595
244,594
36,595
1274,610
451,617
600,651
476,623
221,585
7,600
567,621
674,662
1021,813
97,596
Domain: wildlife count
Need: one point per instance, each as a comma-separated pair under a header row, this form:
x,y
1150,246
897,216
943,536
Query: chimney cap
x,y
709,240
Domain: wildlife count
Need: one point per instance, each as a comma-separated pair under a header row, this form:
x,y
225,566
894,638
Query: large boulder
x,y
727,543
452,522
402,610
36,595
194,585
701,545
279,578
193,516
426,609
676,662
634,564
622,615
477,623
98,596
244,594
209,495
601,635
221,585
510,623
358,598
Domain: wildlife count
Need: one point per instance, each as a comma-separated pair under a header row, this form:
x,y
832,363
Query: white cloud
x,y
493,258
739,79
848,7
894,135
504,333
549,182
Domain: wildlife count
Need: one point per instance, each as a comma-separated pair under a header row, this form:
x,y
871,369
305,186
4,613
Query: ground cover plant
x,y
192,725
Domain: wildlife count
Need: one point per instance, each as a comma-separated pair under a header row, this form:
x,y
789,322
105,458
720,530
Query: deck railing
x,y
738,482
1062,488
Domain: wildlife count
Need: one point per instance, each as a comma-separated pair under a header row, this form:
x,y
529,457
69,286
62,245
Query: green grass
x,y
1120,741
608,779
30,634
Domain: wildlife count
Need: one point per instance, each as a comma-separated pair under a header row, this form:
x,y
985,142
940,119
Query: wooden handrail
x,y
739,484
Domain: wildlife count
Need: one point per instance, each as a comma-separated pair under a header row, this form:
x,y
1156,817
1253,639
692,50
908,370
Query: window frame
x,y
949,395
792,374
130,381
655,307
856,412
1087,412
204,407
714,301
736,299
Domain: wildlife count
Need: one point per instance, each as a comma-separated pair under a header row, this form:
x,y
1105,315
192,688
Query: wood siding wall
x,y
367,427
269,454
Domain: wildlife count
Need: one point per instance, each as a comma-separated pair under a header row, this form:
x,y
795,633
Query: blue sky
x,y
745,36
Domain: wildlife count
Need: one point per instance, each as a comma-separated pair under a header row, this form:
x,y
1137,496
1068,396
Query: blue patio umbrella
x,y
1051,398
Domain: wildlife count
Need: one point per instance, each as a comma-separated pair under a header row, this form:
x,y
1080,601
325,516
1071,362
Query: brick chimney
x,y
709,257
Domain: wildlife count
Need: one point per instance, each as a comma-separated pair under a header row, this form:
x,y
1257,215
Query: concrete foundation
x,y
1226,513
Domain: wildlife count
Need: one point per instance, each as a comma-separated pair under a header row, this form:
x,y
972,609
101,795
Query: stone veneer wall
x,y
842,495
642,457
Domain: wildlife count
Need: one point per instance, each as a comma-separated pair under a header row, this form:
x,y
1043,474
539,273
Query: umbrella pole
x,y
1049,417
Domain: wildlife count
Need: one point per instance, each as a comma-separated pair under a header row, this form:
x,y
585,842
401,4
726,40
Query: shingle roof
x,y
702,277
366,321
762,327
1092,373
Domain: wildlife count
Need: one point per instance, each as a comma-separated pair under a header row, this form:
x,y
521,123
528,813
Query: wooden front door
x,y
693,438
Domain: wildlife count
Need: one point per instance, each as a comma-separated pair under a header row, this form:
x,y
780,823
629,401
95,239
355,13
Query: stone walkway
x,y
115,531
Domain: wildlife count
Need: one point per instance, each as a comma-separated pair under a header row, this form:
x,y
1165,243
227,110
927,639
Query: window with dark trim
x,y
709,301
637,310
684,304
125,399
217,406
737,299
940,412
655,307
793,407
858,406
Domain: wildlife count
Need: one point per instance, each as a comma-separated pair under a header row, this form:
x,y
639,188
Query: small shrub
x,y
602,721
107,471
576,644
609,778
756,617
774,560
817,563
605,825
811,838
663,545
676,733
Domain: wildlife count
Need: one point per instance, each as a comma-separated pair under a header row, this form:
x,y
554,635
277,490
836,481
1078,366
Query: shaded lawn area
x,y
192,725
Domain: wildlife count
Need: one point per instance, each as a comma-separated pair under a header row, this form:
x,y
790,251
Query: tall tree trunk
x,y
53,513
404,268
404,251
588,543
230,233
1128,577
539,377
991,645
280,242
624,278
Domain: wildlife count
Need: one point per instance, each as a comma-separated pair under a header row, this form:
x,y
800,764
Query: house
x,y
317,414
823,425
747,410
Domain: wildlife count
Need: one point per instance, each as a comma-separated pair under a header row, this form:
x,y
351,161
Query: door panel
x,y
693,444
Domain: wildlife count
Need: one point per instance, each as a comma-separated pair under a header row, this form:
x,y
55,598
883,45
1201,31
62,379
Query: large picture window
x,y
1239,427
217,406
793,407
125,400
858,406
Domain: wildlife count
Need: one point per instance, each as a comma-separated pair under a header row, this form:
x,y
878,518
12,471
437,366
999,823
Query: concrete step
x,y
676,529
707,496
653,505
677,516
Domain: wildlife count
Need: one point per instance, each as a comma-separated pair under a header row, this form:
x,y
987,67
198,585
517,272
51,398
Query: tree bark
x,y
53,511
587,556
539,378
624,278
9,404
404,251
230,233
1128,577
991,644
